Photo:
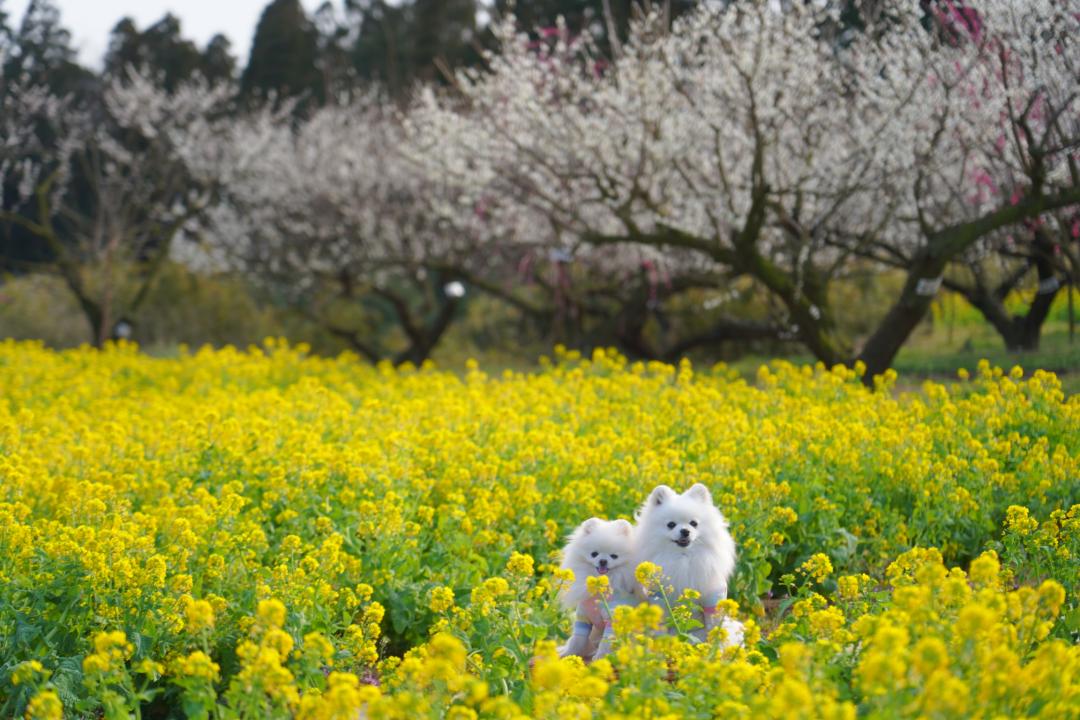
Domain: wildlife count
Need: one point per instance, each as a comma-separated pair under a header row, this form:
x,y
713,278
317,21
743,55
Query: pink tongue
x,y
601,571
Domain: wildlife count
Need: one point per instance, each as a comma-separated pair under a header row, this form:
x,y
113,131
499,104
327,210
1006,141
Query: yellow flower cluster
x,y
817,567
196,665
597,585
262,533
111,650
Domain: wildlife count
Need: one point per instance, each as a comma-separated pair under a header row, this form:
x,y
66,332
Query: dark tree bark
x,y
925,272
424,336
723,331
1018,332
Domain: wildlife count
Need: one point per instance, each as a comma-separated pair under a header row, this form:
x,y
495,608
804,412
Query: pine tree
x,y
378,51
5,29
284,56
218,62
441,33
402,43
38,53
162,49
41,52
587,15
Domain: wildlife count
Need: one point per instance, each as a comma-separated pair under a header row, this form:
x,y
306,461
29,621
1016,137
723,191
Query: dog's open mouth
x,y
601,571
682,542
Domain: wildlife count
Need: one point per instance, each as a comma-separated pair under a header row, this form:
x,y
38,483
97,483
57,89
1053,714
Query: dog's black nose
x,y
603,563
684,532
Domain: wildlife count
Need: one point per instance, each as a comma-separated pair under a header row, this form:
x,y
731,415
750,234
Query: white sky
x,y
91,20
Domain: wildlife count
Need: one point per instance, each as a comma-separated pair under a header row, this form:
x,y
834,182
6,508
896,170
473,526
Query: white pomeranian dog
x,y
597,548
687,537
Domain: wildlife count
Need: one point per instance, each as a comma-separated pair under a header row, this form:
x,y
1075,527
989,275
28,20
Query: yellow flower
x,y
196,665
271,613
928,655
985,568
689,595
945,694
149,667
1051,597
648,574
45,705
975,620
280,640
441,599
848,587
28,671
488,593
597,585
95,663
1018,520
198,615
324,487
520,564
818,567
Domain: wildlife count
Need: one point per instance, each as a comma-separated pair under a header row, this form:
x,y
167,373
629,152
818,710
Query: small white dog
x,y
597,547
688,538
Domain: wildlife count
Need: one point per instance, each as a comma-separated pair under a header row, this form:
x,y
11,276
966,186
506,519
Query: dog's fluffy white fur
x,y
597,547
687,537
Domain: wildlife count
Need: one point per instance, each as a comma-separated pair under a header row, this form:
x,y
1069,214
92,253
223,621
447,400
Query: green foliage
x,y
181,308
400,43
284,55
161,48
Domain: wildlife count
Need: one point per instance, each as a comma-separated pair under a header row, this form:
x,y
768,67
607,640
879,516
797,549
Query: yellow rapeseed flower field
x,y
263,534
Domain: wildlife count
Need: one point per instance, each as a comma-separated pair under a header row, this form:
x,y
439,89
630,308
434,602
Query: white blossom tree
x,y
1000,155
327,215
752,140
107,189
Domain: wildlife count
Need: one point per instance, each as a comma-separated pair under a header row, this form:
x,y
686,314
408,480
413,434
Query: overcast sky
x,y
91,20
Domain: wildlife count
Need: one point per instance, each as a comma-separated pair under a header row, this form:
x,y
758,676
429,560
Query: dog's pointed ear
x,y
624,527
660,495
700,493
589,525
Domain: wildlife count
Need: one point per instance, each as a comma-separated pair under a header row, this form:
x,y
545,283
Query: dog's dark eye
x,y
671,526
595,553
693,523
614,557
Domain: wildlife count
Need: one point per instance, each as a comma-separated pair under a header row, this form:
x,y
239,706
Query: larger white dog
x,y
687,536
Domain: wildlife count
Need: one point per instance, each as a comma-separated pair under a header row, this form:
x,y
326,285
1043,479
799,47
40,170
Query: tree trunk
x,y
1049,284
725,330
424,339
807,306
1019,333
924,277
925,273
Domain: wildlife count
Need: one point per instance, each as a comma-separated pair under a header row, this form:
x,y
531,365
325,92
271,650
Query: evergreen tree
x,y
442,31
163,50
5,30
334,36
284,55
402,43
218,62
377,52
41,52
587,15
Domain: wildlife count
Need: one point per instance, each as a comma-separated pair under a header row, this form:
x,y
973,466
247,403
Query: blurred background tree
x,y
284,56
520,297
162,50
